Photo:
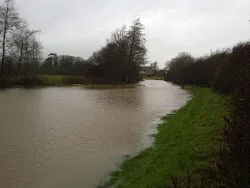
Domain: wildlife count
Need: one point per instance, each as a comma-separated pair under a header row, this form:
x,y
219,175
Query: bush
x,y
234,163
226,71
219,70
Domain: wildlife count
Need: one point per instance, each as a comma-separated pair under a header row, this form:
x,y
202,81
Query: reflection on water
x,y
73,137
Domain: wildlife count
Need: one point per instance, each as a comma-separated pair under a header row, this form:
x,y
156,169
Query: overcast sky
x,y
79,27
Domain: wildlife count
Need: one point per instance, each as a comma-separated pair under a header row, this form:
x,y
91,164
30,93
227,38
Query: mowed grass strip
x,y
184,144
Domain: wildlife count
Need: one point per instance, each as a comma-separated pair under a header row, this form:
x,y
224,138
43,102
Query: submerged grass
x,y
184,144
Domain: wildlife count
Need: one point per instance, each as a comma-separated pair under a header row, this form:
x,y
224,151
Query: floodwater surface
x,y
71,137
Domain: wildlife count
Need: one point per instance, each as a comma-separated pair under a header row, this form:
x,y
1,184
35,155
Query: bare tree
x,y
18,42
26,44
122,57
36,51
137,40
138,51
30,47
9,21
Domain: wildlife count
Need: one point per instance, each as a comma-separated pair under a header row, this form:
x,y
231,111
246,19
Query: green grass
x,y
45,80
54,80
183,145
67,80
154,78
62,80
105,86
81,81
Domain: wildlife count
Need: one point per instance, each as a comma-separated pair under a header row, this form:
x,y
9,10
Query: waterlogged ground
x,y
74,137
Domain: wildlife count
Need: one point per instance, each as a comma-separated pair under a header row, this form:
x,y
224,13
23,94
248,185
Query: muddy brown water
x,y
74,137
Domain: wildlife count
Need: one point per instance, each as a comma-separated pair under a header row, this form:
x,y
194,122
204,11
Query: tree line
x,y
226,71
119,61
219,70
20,47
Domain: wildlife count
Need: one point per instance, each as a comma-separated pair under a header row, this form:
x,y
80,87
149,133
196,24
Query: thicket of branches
x,y
19,46
226,71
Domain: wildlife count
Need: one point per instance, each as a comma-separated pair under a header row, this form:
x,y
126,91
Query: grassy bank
x,y
154,78
106,86
184,145
62,80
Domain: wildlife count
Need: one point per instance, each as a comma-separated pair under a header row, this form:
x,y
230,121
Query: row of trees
x,y
119,61
20,47
219,70
63,65
226,71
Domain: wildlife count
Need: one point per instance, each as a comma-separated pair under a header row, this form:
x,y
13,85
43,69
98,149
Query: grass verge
x,y
184,145
154,78
62,80
106,86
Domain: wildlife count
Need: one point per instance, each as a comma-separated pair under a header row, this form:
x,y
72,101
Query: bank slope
x,y
184,145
